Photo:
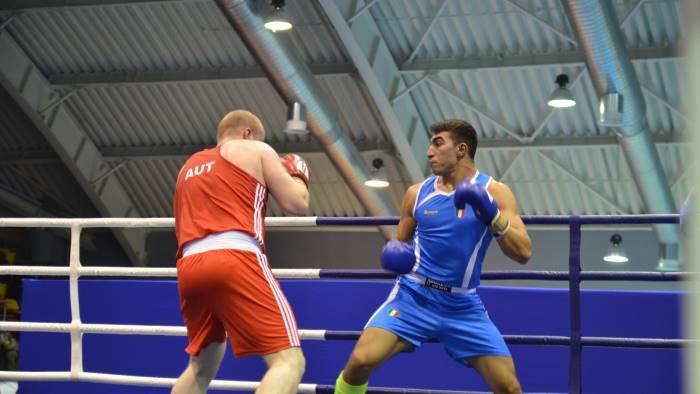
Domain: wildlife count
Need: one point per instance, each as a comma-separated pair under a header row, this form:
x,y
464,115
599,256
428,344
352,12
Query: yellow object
x,y
10,256
343,387
11,305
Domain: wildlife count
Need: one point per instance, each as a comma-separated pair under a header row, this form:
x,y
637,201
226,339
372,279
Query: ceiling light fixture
x,y
378,178
616,253
278,20
296,119
561,97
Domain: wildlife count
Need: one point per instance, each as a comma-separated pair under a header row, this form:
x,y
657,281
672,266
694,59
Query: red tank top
x,y
213,195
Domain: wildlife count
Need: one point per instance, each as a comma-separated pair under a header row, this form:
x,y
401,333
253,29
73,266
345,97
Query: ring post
x,y
76,336
575,304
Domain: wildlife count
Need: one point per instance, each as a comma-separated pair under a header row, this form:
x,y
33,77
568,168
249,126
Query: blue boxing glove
x,y
398,257
475,194
484,206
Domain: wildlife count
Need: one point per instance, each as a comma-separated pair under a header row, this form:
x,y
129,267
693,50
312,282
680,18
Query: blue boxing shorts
x,y
459,322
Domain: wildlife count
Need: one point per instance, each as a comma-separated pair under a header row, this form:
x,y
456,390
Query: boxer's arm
x,y
397,255
407,223
290,192
515,243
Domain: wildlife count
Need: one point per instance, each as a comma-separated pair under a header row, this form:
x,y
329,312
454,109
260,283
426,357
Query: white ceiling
x,y
145,83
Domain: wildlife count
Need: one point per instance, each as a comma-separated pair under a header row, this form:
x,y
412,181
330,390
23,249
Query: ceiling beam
x,y
175,152
184,151
362,10
14,5
376,66
635,8
484,112
24,156
545,23
21,205
28,87
584,184
118,78
506,172
571,142
427,30
663,100
531,60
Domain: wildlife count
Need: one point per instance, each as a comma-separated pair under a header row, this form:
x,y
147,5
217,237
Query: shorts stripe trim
x,y
472,261
282,303
392,295
257,214
285,304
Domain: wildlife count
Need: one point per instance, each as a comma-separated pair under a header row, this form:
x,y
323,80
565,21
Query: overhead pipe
x,y
295,83
612,72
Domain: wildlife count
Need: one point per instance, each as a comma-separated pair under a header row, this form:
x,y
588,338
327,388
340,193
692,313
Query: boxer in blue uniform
x,y
447,223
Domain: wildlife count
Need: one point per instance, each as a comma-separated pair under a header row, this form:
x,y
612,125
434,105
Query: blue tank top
x,y
448,249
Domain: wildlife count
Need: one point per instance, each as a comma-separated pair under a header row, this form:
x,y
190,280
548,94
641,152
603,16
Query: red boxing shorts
x,y
233,292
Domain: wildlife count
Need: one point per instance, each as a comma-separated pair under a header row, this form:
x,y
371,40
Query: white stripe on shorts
x,y
392,295
257,214
282,304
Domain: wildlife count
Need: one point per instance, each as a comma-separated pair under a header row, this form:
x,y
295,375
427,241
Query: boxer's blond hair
x,y
235,122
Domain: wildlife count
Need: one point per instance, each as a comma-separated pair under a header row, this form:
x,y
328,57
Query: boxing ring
x,y
575,341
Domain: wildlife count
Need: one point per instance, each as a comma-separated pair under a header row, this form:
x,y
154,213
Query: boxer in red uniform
x,y
225,283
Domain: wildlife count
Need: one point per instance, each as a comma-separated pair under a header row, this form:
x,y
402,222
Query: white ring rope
x,y
76,328
283,273
123,329
305,221
133,380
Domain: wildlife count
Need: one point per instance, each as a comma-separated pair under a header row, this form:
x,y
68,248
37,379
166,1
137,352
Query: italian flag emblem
x,y
394,313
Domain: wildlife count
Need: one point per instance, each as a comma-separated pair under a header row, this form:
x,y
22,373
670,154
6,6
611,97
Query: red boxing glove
x,y
296,166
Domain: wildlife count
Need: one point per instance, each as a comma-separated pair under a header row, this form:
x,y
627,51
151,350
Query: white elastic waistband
x,y
225,240
437,285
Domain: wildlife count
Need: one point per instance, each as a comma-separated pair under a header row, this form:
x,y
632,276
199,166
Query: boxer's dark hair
x,y
460,131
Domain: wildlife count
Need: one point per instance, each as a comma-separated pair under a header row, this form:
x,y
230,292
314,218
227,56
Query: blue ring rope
x,y
553,340
326,389
528,219
524,275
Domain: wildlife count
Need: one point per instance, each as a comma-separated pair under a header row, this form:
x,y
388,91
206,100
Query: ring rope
x,y
76,328
134,380
318,273
312,221
286,273
326,335
131,380
309,221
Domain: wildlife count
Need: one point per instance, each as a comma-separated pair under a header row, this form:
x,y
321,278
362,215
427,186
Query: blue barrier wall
x,y
346,305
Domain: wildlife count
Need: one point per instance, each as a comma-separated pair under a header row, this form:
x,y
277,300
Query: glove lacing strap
x,y
498,233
